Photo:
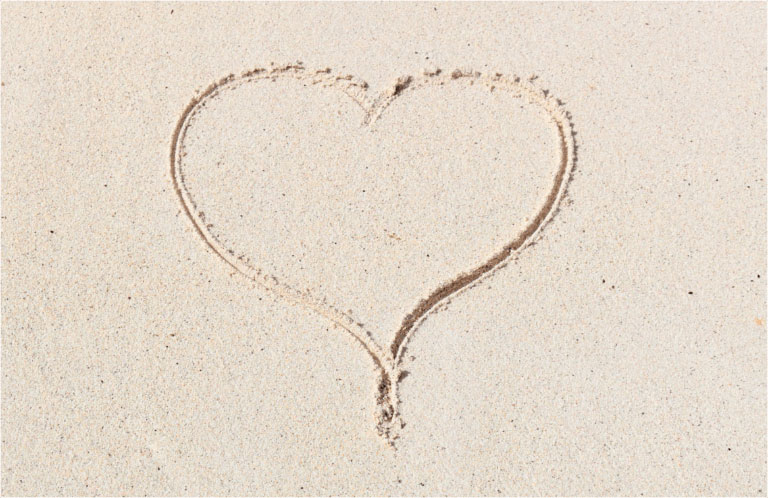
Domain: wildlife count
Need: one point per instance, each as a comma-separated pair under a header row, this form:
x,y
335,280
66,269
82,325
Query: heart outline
x,y
386,360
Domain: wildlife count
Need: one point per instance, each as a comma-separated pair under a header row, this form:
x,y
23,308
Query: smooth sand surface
x,y
486,249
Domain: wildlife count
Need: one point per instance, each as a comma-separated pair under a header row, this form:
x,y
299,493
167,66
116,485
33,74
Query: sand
x,y
400,249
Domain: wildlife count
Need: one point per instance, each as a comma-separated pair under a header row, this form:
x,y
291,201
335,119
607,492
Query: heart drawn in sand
x,y
372,210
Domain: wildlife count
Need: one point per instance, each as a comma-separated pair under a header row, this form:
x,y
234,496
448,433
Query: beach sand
x,y
398,249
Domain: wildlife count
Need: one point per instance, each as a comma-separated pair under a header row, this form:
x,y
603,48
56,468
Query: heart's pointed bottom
x,y
388,419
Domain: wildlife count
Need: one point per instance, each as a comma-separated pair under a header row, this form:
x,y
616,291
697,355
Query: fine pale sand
x,y
487,249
